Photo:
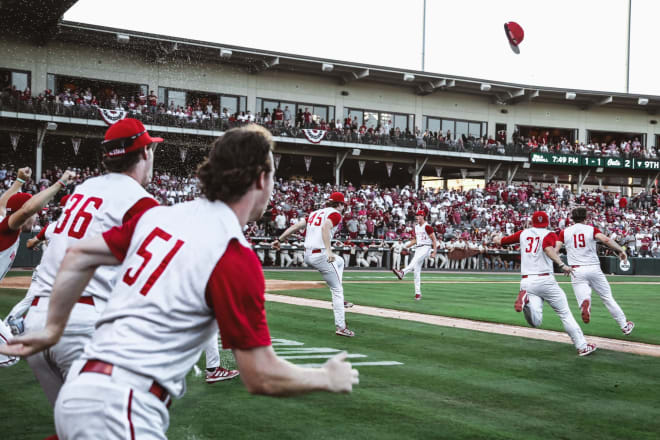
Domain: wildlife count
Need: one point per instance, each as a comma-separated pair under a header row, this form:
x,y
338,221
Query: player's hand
x,y
623,256
341,376
25,173
276,245
433,254
33,243
67,176
30,343
568,270
331,256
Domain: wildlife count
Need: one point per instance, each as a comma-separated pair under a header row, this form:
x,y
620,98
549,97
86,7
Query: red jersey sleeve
x,y
561,236
118,238
235,292
512,239
41,236
429,230
596,231
335,218
549,240
139,207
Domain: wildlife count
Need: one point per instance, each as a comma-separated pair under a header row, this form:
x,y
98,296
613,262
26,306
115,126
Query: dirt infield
x,y
23,282
488,327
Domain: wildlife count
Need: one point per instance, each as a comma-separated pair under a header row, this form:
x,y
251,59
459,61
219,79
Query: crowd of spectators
x,y
379,215
206,114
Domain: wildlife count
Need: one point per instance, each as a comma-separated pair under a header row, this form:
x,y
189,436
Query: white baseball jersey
x,y
96,205
9,241
533,260
186,269
314,233
397,247
423,234
580,242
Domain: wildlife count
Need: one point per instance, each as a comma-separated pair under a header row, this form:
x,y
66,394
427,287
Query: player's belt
x,y
317,251
575,266
536,275
83,300
100,367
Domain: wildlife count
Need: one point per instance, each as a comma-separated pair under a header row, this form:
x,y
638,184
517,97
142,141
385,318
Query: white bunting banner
x,y
438,171
14,138
76,144
308,162
361,164
314,136
463,173
111,116
182,153
389,166
276,158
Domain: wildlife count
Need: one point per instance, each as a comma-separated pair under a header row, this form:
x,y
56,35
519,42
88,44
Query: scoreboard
x,y
583,161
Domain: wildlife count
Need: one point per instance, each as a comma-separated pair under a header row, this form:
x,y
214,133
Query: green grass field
x,y
450,384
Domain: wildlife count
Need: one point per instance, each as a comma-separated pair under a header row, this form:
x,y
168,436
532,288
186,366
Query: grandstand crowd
x,y
205,114
377,216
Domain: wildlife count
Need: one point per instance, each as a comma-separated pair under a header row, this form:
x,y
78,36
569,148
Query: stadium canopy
x,y
35,20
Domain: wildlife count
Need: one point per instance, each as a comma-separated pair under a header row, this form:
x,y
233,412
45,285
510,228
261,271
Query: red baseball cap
x,y
337,197
64,199
125,136
16,201
514,32
540,219
421,212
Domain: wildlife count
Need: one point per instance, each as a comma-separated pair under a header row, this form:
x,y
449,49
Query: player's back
x,y
580,242
533,260
95,206
159,312
314,230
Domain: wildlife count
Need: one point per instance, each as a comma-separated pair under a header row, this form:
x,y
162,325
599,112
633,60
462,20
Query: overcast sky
x,y
578,44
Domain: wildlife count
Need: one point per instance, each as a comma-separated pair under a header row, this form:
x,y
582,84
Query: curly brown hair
x,y
235,162
579,214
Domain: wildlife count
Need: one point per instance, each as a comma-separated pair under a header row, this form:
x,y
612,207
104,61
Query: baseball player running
x,y
184,271
320,227
580,241
95,206
424,239
538,284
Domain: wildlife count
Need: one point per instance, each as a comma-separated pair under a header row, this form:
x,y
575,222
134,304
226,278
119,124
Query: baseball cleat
x,y
348,305
398,274
628,328
586,351
418,296
586,311
521,301
344,332
220,374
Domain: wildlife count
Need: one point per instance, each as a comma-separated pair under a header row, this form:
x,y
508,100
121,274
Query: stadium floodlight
x,y
123,38
642,101
327,67
51,126
408,77
225,53
526,165
356,152
485,87
570,96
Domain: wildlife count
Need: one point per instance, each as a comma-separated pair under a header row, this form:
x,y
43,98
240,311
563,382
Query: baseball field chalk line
x,y
487,327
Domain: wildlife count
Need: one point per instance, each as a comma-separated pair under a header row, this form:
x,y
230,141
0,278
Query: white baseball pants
x,y
96,406
421,254
585,278
51,366
396,260
212,352
332,273
545,288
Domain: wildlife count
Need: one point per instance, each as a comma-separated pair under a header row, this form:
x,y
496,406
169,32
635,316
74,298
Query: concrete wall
x,y
114,65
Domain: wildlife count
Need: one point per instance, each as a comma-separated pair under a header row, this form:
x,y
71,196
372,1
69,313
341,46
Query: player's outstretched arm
x,y
263,372
77,269
37,203
554,256
435,245
607,241
302,224
23,176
